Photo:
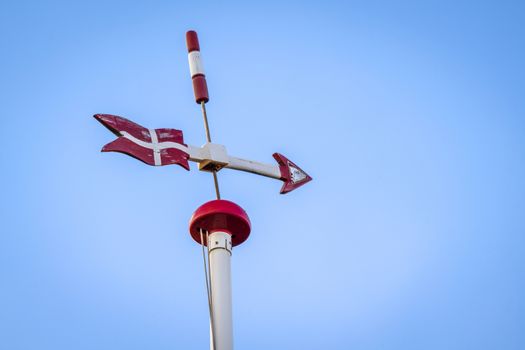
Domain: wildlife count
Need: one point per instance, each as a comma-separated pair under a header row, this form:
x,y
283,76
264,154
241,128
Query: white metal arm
x,y
215,156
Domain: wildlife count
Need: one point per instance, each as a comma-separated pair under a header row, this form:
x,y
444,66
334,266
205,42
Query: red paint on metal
x,y
168,156
286,176
200,88
221,215
117,124
192,41
125,146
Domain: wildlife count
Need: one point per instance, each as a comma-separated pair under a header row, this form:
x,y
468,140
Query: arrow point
x,y
291,174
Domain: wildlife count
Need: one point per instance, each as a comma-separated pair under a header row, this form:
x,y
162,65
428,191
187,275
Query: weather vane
x,y
218,224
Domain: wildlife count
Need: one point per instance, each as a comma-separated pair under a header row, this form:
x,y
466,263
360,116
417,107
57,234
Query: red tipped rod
x,y
200,89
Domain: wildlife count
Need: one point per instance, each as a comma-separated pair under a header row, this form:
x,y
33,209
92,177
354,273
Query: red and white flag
x,y
151,146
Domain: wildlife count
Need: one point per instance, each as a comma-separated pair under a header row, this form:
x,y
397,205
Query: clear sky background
x,y
410,116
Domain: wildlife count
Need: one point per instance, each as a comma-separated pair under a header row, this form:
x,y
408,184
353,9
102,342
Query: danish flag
x,y
152,146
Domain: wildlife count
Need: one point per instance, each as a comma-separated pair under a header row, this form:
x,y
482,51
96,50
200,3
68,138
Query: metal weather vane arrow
x,y
159,147
219,224
166,146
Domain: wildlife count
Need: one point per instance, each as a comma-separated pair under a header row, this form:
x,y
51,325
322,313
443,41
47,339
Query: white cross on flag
x,y
151,146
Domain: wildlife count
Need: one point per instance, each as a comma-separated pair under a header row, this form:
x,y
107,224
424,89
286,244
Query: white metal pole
x,y
220,248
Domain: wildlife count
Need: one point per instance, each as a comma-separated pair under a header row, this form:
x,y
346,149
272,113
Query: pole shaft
x,y
220,246
208,139
205,117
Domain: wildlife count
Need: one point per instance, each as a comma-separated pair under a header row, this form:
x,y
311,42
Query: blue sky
x,y
409,115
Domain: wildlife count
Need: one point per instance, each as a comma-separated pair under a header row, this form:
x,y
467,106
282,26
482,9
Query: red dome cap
x,y
221,215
